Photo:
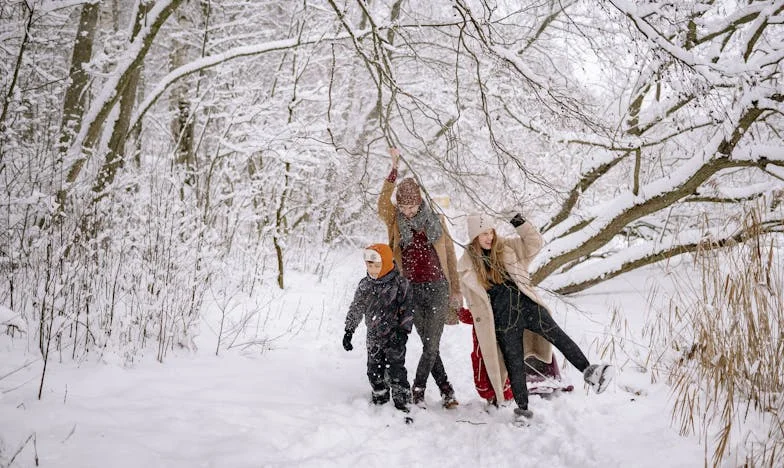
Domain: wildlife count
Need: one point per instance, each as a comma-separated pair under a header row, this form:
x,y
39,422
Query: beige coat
x,y
517,254
445,248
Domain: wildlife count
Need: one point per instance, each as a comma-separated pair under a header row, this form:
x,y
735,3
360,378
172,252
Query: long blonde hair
x,y
494,272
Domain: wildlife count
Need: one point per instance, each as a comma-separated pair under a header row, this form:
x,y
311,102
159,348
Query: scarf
x,y
425,220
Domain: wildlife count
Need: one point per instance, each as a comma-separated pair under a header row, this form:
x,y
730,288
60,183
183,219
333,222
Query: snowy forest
x,y
160,156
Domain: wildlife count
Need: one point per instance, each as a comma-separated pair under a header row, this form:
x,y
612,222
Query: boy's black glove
x,y
518,220
347,340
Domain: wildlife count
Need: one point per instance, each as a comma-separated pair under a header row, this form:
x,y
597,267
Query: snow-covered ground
x,y
299,399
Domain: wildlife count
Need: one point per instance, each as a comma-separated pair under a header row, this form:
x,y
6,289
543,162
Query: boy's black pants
x,y
387,355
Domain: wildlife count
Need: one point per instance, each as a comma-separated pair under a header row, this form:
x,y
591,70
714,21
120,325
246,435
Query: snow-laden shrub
x,y
725,334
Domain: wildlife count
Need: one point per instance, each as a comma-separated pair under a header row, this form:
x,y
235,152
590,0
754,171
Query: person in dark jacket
x,y
383,298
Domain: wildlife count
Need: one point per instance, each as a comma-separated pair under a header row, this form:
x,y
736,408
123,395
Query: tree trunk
x,y
115,157
76,93
281,225
9,95
87,142
182,52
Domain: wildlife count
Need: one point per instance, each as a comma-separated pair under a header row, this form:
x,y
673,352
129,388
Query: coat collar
x,y
465,268
393,273
465,262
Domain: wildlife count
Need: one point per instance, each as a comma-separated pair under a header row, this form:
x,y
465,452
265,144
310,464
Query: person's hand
x,y
517,221
347,341
455,301
395,153
465,316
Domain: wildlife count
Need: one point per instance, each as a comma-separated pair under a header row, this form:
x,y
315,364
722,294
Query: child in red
x,y
539,374
481,379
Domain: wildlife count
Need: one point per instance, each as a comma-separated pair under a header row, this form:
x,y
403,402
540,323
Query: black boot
x,y
402,406
448,396
418,396
380,397
523,417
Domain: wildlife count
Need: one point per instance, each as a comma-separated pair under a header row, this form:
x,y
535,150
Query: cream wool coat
x,y
516,255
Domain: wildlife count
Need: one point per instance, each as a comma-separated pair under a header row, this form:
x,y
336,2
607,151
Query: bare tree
x,y
9,94
118,141
77,92
124,78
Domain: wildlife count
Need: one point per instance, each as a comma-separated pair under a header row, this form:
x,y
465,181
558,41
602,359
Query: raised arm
x,y
530,241
386,210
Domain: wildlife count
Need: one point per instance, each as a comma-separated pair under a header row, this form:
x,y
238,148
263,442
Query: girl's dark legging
x,y
514,312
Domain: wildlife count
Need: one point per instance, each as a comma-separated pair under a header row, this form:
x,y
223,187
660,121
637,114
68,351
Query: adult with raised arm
x,y
425,253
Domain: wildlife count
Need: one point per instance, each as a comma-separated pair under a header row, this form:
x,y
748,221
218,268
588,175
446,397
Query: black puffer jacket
x,y
386,304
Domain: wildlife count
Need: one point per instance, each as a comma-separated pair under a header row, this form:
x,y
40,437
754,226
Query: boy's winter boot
x,y
379,397
448,396
598,376
402,406
401,396
418,396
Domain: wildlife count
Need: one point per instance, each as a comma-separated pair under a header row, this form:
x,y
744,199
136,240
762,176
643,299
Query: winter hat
x,y
408,192
380,253
477,223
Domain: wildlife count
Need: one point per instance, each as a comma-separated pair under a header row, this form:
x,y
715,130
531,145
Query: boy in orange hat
x,y
383,298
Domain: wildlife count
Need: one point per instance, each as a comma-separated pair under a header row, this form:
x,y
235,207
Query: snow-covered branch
x,y
585,180
609,218
596,271
711,67
111,91
217,59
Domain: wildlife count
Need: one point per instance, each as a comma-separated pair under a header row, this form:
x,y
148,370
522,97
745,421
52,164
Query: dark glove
x,y
347,340
518,220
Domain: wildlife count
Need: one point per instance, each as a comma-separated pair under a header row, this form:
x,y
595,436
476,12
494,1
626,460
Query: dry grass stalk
x,y
725,337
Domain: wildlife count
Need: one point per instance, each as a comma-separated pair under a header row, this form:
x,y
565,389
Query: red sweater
x,y
420,261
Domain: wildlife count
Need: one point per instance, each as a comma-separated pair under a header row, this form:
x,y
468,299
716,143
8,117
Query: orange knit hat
x,y
384,254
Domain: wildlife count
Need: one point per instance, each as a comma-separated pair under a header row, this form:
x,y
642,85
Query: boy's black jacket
x,y
385,303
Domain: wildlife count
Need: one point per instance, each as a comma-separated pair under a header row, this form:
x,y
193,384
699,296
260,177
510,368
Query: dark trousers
x,y
386,366
430,306
517,312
